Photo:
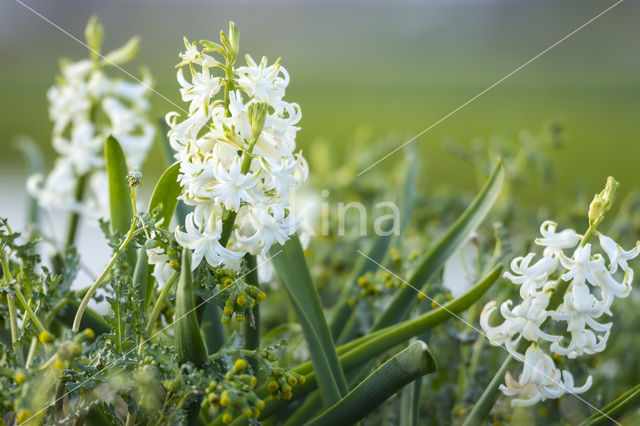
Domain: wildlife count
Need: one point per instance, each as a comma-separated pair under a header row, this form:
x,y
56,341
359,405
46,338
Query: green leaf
x,y
615,409
360,351
141,278
94,34
410,403
124,53
165,195
119,191
35,164
188,341
484,405
342,312
341,327
291,266
181,210
411,363
457,235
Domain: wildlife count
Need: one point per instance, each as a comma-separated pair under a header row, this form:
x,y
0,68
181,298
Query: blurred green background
x,y
370,67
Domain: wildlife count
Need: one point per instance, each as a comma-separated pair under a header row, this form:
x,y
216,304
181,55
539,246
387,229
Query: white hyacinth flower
x,y
162,270
237,155
540,380
81,94
592,288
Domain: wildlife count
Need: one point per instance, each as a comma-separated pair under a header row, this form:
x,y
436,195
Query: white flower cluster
x,y
594,282
236,157
86,106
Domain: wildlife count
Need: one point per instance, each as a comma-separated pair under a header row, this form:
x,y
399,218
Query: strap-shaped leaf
x,y
291,266
188,341
615,409
457,235
484,405
165,194
181,210
362,350
411,363
119,192
342,313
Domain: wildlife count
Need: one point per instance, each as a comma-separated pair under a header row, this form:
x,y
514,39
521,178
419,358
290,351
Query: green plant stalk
x,y
230,218
487,399
74,220
252,333
100,280
13,316
411,363
157,307
13,321
360,351
27,308
615,409
435,258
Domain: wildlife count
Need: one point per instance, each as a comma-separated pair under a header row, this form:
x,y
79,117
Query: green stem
x,y
103,276
27,308
13,320
252,331
13,317
157,307
230,219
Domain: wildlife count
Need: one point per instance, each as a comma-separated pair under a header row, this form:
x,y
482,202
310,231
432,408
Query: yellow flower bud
x,y
273,386
90,334
23,416
240,364
225,401
45,337
241,300
227,418
20,378
59,365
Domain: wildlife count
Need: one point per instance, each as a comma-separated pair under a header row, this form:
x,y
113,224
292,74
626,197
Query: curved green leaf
x,y
340,324
457,235
35,164
362,350
291,266
165,194
615,409
188,340
484,405
119,191
411,363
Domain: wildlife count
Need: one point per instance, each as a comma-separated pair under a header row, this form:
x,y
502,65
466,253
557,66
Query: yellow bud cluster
x,y
235,395
240,304
280,384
